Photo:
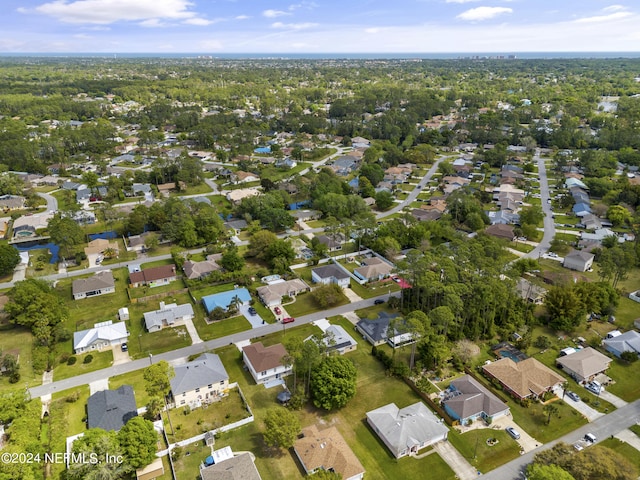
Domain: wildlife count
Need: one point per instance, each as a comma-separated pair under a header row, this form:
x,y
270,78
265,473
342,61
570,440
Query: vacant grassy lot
x,y
626,377
100,360
624,449
473,446
18,341
189,423
204,290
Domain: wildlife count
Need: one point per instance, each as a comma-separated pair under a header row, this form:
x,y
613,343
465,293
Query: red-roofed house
x,y
154,276
265,363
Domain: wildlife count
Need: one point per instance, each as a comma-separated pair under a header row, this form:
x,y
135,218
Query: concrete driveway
x,y
526,441
589,413
120,357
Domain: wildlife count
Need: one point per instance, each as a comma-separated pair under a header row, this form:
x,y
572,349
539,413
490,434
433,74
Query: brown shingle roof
x,y
153,274
265,358
327,449
525,377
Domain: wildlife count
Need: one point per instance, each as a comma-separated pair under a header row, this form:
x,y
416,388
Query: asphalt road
x,y
603,427
549,224
52,202
185,352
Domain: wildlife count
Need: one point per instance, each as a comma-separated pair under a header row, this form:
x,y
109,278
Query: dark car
x,y
288,320
378,301
124,347
573,396
252,311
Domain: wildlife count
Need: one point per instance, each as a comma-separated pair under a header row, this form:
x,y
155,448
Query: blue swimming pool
x,y
263,150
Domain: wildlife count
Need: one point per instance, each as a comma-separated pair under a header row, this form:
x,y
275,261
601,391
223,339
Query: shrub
x,y
72,360
88,359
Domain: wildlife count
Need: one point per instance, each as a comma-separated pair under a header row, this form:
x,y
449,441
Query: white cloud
x,y
483,13
461,1
199,21
243,17
110,11
614,8
274,13
603,18
293,26
152,23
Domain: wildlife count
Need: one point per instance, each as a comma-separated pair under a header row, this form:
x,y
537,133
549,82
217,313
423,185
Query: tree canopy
x,y
333,382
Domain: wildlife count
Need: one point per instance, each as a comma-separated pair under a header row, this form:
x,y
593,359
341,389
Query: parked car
x,y
252,311
593,387
378,301
124,347
513,432
590,437
277,310
573,396
288,320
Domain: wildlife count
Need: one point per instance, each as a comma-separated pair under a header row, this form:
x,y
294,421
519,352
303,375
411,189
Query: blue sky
x,y
319,26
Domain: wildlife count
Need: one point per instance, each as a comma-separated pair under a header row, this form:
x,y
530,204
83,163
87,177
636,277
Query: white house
x,y
332,273
578,260
271,295
201,381
265,363
103,335
167,316
408,430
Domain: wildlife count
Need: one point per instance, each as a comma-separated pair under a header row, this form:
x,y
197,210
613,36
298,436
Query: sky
x,y
320,26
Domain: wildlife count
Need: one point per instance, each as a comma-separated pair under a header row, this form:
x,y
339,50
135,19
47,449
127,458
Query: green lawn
x,y
100,360
136,380
18,341
199,292
157,263
201,189
624,449
140,292
626,376
221,328
473,446
189,423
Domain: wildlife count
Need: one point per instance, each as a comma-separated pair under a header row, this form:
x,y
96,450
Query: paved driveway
x,y
589,413
255,320
120,357
526,441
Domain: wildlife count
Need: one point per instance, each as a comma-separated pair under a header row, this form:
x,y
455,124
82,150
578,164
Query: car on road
x,y
590,437
513,432
288,320
252,311
378,301
124,347
277,310
573,396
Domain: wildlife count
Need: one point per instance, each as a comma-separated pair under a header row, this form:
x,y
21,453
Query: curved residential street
x,y
549,224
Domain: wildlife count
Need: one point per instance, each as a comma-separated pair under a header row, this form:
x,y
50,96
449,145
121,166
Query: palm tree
x,y
235,303
550,409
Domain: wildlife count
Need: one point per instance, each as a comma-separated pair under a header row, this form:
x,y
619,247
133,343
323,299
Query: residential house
x,y
271,295
152,277
408,430
527,378
578,260
598,235
331,274
584,364
235,226
500,230
626,342
202,380
373,269
237,195
101,283
344,165
11,202
136,243
86,195
223,300
423,215
110,410
467,400
266,363
360,142
27,226
102,336
333,241
504,217
327,450
198,270
530,291
167,316
96,249
581,209
439,204
336,339
244,177
239,467
378,330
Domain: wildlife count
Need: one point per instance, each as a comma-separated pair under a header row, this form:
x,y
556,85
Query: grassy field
x,y
189,423
305,304
202,189
205,290
473,446
624,449
626,376
221,328
18,341
136,380
141,292
100,360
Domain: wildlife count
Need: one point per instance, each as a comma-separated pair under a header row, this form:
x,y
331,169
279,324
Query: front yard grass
x,y
100,360
18,341
624,449
221,328
305,304
473,446
199,292
140,292
189,423
626,376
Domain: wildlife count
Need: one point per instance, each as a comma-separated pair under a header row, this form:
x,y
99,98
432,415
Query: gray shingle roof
x,y
99,281
111,409
473,399
167,315
203,371
328,271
